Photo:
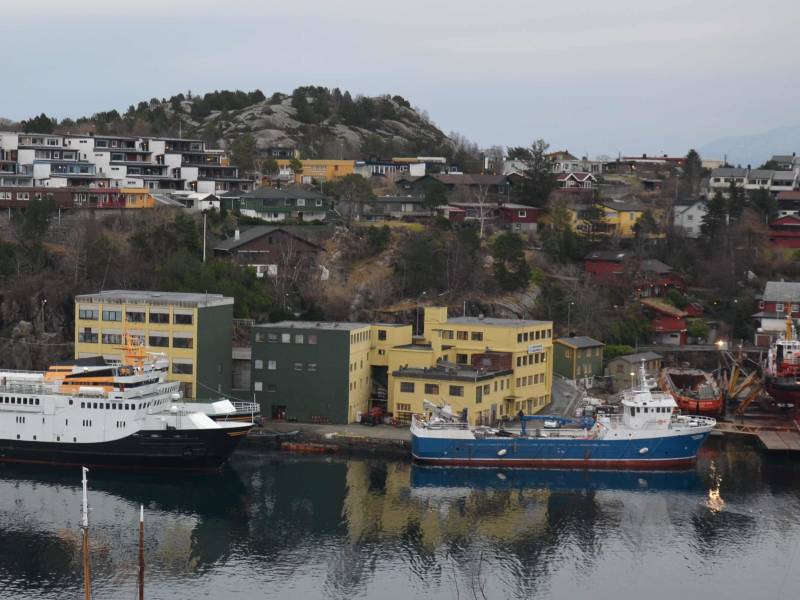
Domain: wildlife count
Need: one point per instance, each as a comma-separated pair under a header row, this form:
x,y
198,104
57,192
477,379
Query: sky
x,y
594,77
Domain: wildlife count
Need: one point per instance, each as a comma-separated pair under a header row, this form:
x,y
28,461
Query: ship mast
x,y
87,573
141,552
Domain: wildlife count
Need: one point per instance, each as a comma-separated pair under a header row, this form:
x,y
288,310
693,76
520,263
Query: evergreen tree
x,y
511,270
763,202
692,172
716,217
40,124
538,181
736,201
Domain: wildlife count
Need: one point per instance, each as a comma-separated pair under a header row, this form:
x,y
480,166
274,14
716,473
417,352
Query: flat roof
x,y
449,372
154,297
323,325
637,358
580,341
495,322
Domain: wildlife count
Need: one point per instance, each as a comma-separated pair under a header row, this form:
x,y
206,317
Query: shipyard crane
x,y
751,382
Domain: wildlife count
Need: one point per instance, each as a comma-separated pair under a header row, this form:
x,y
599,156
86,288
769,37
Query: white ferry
x,y
90,413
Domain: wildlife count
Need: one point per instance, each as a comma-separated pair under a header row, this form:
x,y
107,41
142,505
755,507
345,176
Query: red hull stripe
x,y
563,464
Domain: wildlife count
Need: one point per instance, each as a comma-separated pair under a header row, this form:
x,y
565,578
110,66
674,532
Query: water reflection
x,y
282,526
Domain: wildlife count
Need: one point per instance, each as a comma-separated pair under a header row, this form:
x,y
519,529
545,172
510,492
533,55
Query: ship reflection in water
x,y
278,526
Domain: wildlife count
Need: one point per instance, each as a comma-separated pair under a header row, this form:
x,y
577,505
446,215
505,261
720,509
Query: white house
x,y
689,218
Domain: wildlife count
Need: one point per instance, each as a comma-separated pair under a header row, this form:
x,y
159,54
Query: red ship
x,y
782,371
694,391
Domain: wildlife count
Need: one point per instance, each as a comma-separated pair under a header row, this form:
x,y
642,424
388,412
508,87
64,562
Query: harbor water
x,y
283,526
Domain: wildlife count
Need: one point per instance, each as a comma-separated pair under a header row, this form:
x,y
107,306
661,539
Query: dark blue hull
x,y
560,453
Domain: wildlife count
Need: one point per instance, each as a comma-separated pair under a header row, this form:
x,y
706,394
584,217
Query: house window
x,y
272,365
87,314
431,388
311,367
298,366
461,359
259,364
159,317
477,336
257,386
382,334
456,390
286,338
298,338
522,213
134,317
182,342
779,307
407,387
182,319
312,339
271,387
112,315
181,368
159,341
462,335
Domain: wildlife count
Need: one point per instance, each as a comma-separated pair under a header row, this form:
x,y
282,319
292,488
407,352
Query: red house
x,y
519,217
668,322
785,232
650,277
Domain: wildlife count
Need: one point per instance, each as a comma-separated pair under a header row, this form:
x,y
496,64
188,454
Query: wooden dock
x,y
772,434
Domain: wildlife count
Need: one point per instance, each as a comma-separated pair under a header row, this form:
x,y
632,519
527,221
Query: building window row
x,y
475,336
531,380
285,338
531,359
182,368
529,336
359,336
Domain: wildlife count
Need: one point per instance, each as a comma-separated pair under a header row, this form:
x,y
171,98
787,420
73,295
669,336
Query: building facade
x,y
193,331
624,370
315,372
578,358
779,300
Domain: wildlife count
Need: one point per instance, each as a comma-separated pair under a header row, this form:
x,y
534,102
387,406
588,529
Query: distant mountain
x,y
320,122
754,149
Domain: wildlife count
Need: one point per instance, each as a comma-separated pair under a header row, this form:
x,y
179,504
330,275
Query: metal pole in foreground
x,y
205,214
141,552
87,575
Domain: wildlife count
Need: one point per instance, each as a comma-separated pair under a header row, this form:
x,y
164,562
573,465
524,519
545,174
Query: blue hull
x,y
646,453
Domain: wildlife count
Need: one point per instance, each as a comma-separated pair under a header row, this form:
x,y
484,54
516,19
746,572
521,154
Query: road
x,y
564,398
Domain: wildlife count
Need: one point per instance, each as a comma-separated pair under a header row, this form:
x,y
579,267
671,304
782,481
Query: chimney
x,y
236,234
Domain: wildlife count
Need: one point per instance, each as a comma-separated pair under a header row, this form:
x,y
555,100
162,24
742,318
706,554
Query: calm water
x,y
277,526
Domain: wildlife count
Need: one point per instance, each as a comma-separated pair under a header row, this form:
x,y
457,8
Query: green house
x,y
578,357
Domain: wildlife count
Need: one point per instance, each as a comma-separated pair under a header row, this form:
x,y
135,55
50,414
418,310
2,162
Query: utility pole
x,y
205,216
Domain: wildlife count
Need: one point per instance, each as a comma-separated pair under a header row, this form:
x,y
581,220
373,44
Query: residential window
x,y
431,388
522,213
179,342
87,336
134,317
259,364
87,314
311,367
298,339
273,338
272,387
462,335
159,317
312,339
159,341
461,359
447,334
286,338
477,336
456,390
382,334
180,319
112,315
258,386
298,366
407,387
272,365
402,407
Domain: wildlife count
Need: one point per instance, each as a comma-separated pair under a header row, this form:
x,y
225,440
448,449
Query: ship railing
x,y
25,388
249,408
444,425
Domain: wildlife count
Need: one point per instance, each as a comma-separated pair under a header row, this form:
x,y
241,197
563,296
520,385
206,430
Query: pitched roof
x,y
253,233
562,155
291,192
782,158
729,172
639,357
469,179
760,174
580,341
576,175
788,196
663,307
624,205
653,265
782,291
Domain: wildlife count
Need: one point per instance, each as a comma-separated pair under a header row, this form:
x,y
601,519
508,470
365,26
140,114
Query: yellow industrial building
x,y
193,331
318,169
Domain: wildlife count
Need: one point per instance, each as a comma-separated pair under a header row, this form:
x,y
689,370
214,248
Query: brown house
x,y
270,250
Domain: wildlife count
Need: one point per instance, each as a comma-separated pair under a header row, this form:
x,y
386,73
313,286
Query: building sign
x,y
534,349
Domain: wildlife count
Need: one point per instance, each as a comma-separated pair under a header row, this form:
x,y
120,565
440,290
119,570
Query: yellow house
x,y
490,367
606,217
318,169
192,331
137,198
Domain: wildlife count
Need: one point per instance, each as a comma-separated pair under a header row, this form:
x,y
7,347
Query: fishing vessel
x,y
649,434
782,369
694,391
91,413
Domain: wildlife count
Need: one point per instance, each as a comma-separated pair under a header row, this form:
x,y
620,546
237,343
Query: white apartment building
x,y
689,218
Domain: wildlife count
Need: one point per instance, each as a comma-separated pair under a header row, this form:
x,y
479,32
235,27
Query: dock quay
x,y
313,438
771,434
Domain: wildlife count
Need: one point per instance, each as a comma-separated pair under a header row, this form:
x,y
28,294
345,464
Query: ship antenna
x,y
642,377
87,573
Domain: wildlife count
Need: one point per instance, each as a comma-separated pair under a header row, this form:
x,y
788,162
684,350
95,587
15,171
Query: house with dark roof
x,y
397,207
779,299
578,357
270,250
279,205
622,268
576,180
624,370
784,232
460,186
788,203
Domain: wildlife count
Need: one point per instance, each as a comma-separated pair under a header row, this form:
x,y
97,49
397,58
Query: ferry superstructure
x,y
91,413
647,435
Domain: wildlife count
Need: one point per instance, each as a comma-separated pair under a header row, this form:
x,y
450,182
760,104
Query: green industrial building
x,y
578,357
313,372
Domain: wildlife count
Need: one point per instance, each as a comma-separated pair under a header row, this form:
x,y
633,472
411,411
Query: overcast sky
x,y
592,76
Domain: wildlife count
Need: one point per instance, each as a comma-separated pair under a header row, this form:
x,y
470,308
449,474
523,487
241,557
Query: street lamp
x,y
417,317
44,321
569,318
